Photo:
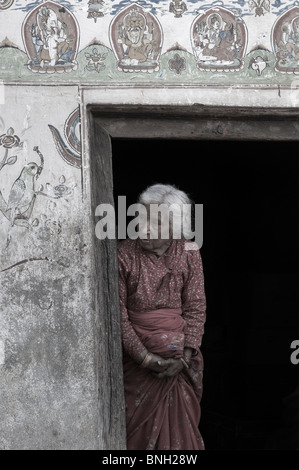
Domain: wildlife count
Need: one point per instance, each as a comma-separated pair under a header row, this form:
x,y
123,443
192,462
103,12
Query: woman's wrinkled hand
x,y
156,363
173,367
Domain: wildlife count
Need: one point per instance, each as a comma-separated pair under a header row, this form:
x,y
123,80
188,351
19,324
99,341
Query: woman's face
x,y
154,233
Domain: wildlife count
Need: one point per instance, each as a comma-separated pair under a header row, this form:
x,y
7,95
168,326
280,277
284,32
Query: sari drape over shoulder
x,y
163,311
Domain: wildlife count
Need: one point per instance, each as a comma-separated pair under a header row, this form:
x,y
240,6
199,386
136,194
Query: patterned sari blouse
x,y
150,282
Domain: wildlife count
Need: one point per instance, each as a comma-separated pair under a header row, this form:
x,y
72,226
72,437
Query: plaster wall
x,y
48,373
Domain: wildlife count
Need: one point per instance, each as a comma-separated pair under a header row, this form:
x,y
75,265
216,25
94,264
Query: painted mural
x,y
40,161
69,149
19,206
285,39
50,36
219,40
136,39
157,42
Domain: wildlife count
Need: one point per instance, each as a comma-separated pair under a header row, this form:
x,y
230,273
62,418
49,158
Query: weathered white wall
x,y
48,369
48,375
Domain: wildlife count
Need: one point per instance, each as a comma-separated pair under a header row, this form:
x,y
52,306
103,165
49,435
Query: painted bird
x,y
22,193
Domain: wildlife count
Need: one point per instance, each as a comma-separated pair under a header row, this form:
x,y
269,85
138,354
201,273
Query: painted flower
x,y
95,60
61,190
177,64
95,15
178,8
9,140
44,234
93,9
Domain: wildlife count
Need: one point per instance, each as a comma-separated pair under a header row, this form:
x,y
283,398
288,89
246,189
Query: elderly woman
x,y
162,299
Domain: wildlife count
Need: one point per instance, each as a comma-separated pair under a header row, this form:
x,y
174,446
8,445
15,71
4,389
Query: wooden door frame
x,y
197,122
105,122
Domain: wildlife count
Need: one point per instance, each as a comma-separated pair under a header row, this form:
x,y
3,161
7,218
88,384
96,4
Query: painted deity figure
x,y
219,39
136,38
50,38
289,42
212,38
216,40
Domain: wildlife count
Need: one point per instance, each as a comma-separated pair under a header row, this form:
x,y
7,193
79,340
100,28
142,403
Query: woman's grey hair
x,y
173,198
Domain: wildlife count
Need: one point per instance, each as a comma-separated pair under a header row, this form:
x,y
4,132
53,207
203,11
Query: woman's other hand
x,y
155,363
173,367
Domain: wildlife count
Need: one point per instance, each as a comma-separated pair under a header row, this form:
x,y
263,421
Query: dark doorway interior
x,y
250,256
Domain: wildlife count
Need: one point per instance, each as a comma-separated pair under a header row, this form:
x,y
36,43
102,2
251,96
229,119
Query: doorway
x,y
242,164
249,191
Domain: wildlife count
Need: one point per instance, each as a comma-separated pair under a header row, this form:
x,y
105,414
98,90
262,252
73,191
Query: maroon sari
x,y
161,414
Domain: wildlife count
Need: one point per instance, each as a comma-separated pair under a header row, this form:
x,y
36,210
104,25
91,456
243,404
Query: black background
x,y
250,255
